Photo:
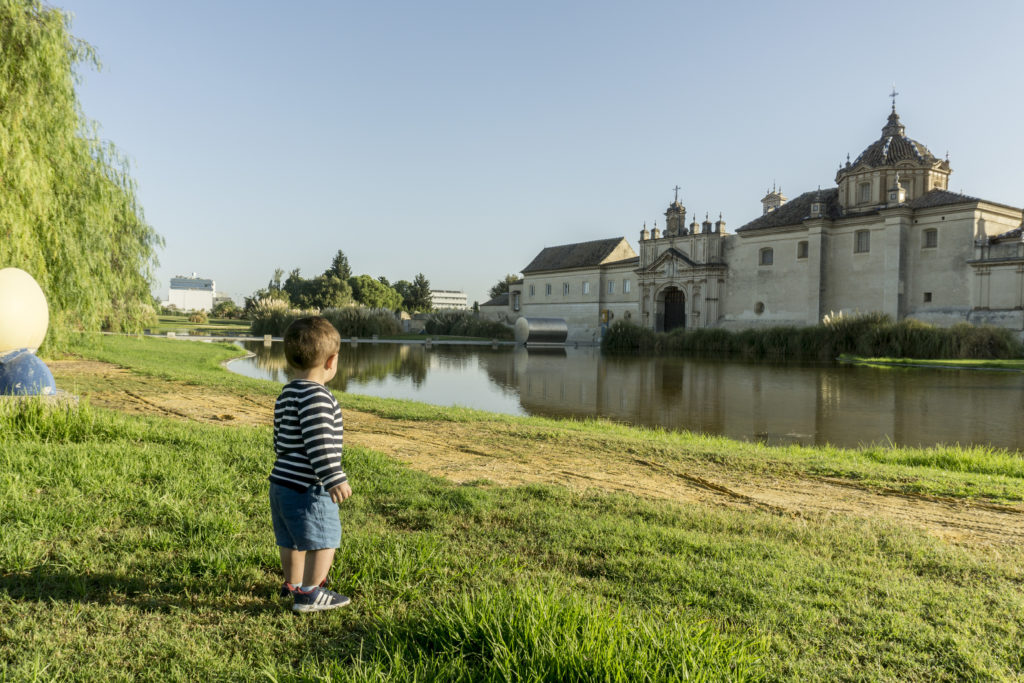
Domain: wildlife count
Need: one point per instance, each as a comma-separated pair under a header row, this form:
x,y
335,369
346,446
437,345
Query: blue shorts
x,y
304,521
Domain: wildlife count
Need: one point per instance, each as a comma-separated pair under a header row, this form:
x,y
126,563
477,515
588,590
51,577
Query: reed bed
x,y
273,317
871,335
466,324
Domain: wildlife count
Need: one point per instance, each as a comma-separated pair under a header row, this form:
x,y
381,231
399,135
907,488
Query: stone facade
x,y
888,237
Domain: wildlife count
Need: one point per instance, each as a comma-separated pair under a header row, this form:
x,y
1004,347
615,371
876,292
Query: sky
x,y
458,139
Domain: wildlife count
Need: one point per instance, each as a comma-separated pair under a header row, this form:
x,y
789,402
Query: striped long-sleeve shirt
x,y
307,437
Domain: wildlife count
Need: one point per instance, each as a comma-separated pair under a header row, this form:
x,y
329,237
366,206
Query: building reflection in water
x,y
774,403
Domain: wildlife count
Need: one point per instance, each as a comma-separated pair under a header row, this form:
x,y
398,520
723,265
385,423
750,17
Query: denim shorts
x,y
306,520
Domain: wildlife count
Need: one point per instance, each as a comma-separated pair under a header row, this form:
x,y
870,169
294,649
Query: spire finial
x,y
677,188
893,95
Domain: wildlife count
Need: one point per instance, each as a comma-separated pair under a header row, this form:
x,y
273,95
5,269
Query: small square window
x,y
927,297
625,286
547,290
766,257
586,288
565,289
611,286
862,242
801,250
931,238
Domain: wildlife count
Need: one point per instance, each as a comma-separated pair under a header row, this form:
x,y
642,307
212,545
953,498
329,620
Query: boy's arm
x,y
320,422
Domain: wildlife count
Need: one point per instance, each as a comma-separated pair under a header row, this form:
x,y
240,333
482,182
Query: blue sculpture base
x,y
23,374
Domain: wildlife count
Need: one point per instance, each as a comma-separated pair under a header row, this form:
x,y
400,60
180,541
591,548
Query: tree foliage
x,y
421,299
69,215
502,285
374,293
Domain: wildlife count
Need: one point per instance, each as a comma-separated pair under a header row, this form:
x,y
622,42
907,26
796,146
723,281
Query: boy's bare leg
x,y
318,563
293,562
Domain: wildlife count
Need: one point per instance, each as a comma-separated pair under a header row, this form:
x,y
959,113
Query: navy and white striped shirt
x,y
307,437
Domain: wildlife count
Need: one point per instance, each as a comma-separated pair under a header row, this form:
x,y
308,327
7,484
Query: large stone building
x,y
888,237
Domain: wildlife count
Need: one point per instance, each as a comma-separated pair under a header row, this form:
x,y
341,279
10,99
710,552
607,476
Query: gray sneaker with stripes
x,y
318,600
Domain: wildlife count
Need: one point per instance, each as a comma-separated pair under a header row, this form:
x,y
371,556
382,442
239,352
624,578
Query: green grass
x,y
957,364
215,326
140,548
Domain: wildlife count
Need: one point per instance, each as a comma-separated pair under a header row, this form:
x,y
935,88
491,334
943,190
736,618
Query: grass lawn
x,y
140,548
215,326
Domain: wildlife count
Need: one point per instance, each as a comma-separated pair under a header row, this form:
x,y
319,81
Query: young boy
x,y
307,482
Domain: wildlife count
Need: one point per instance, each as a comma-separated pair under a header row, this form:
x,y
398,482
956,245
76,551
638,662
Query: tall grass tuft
x,y
531,634
274,316
466,324
868,334
354,321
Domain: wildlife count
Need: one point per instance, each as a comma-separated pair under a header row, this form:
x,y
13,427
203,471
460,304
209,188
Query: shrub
x,y
198,317
353,321
466,324
272,316
865,334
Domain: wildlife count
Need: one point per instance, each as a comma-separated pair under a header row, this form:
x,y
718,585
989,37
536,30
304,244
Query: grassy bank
x,y
214,327
868,335
139,548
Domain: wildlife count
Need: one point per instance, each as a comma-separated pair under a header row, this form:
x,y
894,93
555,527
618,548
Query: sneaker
x,y
288,589
318,600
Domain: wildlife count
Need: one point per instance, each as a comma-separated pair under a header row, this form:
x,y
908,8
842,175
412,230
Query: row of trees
x,y
337,287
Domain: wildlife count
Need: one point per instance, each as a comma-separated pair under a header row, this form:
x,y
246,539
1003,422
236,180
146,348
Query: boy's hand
x,y
340,492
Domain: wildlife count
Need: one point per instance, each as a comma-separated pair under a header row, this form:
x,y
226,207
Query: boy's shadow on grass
x,y
46,583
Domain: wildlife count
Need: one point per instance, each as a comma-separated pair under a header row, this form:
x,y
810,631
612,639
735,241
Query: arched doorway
x,y
675,309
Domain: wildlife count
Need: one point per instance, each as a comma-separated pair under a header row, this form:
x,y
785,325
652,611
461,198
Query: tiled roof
x,y
579,255
939,198
500,300
893,147
796,210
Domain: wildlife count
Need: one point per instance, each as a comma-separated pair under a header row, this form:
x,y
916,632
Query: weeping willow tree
x,y
68,208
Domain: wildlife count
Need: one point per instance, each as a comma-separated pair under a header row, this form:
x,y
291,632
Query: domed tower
x,y
864,184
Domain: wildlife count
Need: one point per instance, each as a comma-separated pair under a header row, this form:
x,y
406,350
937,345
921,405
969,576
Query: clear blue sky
x,y
460,138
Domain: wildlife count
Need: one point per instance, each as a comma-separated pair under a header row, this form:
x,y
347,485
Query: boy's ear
x,y
331,361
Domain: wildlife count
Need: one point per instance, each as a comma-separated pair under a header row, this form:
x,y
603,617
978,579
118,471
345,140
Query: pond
x,y
810,404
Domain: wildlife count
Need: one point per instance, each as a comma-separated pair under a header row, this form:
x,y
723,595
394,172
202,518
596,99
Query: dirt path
x,y
465,452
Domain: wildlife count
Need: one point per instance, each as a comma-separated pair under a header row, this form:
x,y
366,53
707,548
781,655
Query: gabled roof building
x,y
888,237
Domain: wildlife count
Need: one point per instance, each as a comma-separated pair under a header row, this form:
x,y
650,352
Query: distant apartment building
x,y
448,299
191,293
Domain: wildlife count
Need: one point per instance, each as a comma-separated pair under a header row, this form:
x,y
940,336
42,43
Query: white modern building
x,y
448,299
191,293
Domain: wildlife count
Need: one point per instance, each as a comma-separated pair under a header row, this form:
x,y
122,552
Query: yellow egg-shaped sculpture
x,y
24,315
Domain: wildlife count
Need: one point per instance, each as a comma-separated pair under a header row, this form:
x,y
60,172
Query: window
x,y
532,290
586,288
515,301
767,257
611,286
865,193
547,290
565,289
927,297
625,286
862,242
931,238
801,249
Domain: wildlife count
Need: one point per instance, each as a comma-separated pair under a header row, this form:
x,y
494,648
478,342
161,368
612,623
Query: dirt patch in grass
x,y
475,451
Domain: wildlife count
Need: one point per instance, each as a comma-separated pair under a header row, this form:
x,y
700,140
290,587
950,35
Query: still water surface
x,y
775,403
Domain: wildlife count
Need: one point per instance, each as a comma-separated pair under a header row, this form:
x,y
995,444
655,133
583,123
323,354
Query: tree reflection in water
x,y
362,362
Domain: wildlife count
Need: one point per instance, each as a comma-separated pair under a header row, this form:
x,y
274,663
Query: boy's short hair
x,y
309,341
